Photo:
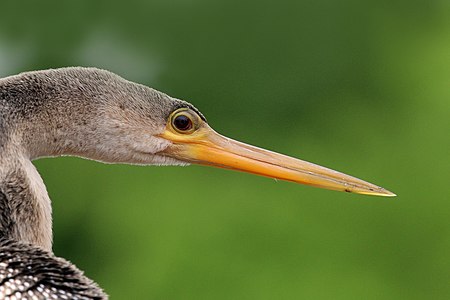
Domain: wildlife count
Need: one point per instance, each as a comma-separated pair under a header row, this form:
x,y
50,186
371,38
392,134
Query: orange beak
x,y
207,147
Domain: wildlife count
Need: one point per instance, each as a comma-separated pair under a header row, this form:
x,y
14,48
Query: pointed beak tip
x,y
384,193
390,194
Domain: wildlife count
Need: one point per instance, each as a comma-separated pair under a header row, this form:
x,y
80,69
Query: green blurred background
x,y
359,86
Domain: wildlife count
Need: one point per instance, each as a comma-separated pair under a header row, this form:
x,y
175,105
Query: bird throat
x,y
25,208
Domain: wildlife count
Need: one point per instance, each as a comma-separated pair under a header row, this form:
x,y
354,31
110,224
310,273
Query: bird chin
x,y
160,160
146,158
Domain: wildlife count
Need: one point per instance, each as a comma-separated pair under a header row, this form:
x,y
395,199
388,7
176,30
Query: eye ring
x,y
183,121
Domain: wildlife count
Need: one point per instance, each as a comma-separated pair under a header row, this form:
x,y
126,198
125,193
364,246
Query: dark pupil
x,y
182,123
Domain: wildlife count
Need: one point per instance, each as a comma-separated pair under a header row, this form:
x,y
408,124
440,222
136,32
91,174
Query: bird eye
x,y
183,121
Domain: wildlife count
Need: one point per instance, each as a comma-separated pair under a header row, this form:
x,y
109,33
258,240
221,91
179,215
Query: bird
x,y
98,115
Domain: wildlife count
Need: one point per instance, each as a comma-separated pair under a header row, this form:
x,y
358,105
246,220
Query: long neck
x,y
36,119
71,111
41,114
25,207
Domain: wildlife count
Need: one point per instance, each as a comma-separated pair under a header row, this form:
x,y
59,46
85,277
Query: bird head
x,y
114,120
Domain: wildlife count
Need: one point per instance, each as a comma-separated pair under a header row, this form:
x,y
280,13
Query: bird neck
x,y
73,111
48,113
25,208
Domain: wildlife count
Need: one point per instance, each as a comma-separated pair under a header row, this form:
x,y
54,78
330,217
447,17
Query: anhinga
x,y
98,115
